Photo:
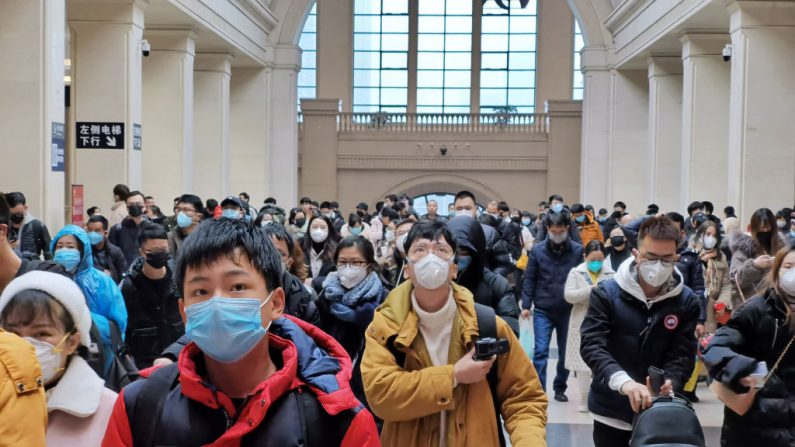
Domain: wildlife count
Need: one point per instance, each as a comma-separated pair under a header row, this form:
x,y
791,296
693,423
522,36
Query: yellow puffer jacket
x,y
23,407
410,399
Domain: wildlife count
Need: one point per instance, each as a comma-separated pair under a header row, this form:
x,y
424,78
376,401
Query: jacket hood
x,y
469,233
627,279
87,261
606,269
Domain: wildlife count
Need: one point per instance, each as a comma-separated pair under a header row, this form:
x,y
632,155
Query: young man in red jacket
x,y
251,375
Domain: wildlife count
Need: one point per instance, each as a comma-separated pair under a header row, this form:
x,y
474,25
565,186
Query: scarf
x,y
344,302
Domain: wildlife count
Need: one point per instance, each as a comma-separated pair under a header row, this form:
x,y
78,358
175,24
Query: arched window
x,y
443,199
468,56
578,83
307,77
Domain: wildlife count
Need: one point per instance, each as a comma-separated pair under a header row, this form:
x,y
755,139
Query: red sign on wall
x,y
77,205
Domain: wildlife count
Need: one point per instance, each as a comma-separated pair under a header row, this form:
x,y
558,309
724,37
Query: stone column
x,y
555,48
248,141
168,115
211,125
664,169
106,88
335,51
283,134
563,157
319,146
32,105
596,128
762,105
705,119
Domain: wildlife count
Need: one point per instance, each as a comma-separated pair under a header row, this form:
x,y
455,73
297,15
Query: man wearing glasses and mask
x,y
645,316
419,371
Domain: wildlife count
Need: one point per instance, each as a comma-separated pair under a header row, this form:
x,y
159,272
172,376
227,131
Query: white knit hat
x,y
63,289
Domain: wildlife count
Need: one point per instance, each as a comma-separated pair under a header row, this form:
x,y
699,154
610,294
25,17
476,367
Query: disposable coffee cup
x,y
759,374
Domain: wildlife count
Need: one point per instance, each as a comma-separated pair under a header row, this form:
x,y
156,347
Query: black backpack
x,y
487,328
670,421
320,428
122,369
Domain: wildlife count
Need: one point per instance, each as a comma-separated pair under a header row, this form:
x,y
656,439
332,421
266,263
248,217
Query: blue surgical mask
x,y
183,220
580,219
68,258
463,263
556,208
230,213
95,238
526,222
451,214
226,329
355,231
594,266
792,234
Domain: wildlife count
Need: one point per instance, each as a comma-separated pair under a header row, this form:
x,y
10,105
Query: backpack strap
x,y
145,416
487,328
319,427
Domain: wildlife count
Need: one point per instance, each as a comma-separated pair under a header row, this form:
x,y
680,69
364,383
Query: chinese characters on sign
x,y
136,137
100,135
57,145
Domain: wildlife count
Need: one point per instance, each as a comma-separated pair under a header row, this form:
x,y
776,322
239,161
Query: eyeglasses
x,y
341,265
185,210
421,249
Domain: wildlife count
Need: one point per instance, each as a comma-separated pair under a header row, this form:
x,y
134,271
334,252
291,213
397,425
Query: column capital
x,y
596,59
220,62
284,57
321,106
703,44
113,11
563,108
758,14
664,66
182,40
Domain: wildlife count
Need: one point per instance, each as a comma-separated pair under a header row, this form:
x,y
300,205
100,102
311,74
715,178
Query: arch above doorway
x,y
433,183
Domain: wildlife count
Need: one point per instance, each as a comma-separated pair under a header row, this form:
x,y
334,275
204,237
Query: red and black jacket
x,y
193,412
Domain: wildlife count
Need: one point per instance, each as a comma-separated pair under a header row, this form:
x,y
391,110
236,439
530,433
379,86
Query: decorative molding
x,y
438,163
623,13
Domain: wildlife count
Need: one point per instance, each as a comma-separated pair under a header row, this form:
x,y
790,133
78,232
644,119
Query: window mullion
x,y
474,89
411,107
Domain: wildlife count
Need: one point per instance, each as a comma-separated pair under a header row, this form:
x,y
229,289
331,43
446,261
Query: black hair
x,y
694,206
659,228
329,245
503,206
99,218
542,203
156,210
149,197
391,197
353,220
293,212
15,198
364,246
193,201
379,206
150,231
229,238
589,208
121,191
465,195
325,204
245,194
593,246
210,207
28,304
135,193
271,200
91,211
678,218
314,204
602,211
334,205
558,219
390,213
729,211
305,200
527,214
278,231
577,208
620,204
708,206
557,197
431,230
702,229
5,211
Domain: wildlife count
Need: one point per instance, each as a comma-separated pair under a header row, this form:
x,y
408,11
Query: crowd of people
x,y
223,324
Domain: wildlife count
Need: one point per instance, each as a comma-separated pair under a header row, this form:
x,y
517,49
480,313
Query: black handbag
x,y
670,421
122,369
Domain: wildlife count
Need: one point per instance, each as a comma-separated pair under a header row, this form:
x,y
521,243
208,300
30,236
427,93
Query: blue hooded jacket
x,y
103,296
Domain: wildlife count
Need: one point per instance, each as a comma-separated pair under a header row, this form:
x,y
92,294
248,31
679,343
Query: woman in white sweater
x,y
579,283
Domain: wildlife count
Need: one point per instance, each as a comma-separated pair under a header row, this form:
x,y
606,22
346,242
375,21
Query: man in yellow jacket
x,y
23,409
437,394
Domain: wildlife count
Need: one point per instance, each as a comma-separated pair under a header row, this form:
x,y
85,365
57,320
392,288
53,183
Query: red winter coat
x,y
194,414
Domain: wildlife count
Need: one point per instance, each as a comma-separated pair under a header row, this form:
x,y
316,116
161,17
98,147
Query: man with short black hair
x,y
548,266
251,375
125,235
31,235
644,316
390,200
585,224
107,257
620,207
433,212
306,205
729,212
233,208
556,206
190,213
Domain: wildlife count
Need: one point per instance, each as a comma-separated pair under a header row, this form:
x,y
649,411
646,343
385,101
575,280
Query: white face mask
x,y
431,271
654,273
389,235
709,242
318,235
786,282
49,357
400,241
558,238
351,276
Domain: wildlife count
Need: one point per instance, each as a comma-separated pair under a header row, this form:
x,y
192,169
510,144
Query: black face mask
x,y
764,238
299,223
17,218
135,210
360,213
158,259
616,241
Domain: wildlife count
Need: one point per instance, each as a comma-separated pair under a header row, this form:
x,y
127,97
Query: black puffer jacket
x,y
693,273
497,255
756,332
299,301
621,332
488,288
153,318
125,236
